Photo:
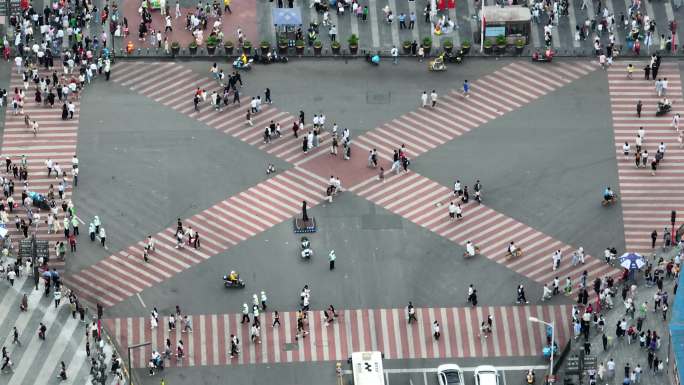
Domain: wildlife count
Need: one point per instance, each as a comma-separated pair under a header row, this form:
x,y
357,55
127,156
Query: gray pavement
x,y
376,34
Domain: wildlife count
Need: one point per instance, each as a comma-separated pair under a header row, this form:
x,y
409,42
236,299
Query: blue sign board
x,y
495,31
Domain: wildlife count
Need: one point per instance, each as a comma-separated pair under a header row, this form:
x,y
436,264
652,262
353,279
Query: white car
x,y
450,374
486,375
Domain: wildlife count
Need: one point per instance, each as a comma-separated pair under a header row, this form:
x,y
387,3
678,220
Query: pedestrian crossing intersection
x,y
385,330
425,203
646,200
36,361
175,87
221,227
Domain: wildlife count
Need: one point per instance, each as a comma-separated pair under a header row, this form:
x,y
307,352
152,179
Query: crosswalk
x,y
491,96
174,86
56,140
646,200
221,227
385,330
425,203
65,337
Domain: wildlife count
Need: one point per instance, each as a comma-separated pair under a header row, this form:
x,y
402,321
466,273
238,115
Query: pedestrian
x,y
435,330
15,336
395,55
654,237
604,340
187,324
245,313
466,89
276,319
103,237
332,258
647,72
433,98
424,99
411,313
638,108
267,96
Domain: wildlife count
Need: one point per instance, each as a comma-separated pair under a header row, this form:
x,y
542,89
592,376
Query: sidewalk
x,y
619,349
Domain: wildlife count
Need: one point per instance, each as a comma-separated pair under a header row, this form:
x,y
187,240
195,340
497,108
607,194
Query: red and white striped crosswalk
x,y
221,227
647,200
174,85
385,330
492,96
56,140
425,203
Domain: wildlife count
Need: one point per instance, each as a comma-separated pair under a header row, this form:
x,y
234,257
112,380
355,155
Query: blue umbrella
x,y
632,261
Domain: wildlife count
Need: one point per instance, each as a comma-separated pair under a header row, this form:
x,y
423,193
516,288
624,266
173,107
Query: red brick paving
x,y
243,17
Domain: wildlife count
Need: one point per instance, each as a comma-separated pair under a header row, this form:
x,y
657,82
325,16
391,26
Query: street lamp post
x,y
537,320
130,373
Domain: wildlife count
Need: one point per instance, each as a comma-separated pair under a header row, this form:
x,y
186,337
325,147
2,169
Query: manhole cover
x,y
290,346
378,97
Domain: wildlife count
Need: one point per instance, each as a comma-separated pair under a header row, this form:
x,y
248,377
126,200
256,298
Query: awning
x,y
287,16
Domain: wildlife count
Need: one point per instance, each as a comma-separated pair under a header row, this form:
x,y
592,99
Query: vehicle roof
x,y
448,367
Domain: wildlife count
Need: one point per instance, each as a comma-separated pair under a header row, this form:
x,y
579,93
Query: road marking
x,y
456,31
393,27
141,300
466,369
414,31
572,20
373,20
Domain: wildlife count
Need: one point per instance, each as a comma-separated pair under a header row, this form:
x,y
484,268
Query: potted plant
x,y
407,47
282,46
175,48
519,46
448,45
318,47
265,46
299,47
192,47
228,46
465,47
427,45
335,46
501,43
353,44
247,47
212,42
488,46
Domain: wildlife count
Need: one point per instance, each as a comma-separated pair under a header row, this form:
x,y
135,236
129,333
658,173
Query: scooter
x,y
454,57
307,251
437,64
663,109
546,57
239,284
239,65
609,201
374,60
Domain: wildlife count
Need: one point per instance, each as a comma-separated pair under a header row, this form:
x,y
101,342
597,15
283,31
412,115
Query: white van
x,y
367,368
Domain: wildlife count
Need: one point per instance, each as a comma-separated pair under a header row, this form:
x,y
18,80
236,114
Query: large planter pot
x,y
175,50
229,49
353,49
407,49
427,49
448,49
488,50
247,50
299,49
193,50
265,49
335,50
318,50
282,49
211,49
519,49
500,49
465,49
